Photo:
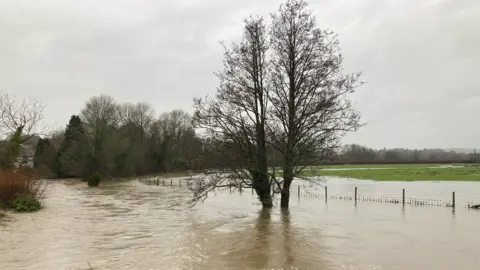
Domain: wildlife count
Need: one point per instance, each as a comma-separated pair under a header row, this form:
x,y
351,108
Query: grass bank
x,y
399,172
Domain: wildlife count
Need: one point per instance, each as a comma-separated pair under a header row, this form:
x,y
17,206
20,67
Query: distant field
x,y
380,166
399,172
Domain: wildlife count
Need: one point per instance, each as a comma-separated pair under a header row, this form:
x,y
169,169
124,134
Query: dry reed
x,y
20,183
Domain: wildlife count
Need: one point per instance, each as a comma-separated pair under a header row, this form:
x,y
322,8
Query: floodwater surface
x,y
129,225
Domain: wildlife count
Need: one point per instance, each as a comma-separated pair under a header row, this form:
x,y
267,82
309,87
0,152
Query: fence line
x,y
354,196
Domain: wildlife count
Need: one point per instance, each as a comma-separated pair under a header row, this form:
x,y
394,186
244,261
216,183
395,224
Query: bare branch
x,y
28,113
237,115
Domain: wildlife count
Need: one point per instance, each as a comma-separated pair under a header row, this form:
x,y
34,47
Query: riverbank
x,y
400,172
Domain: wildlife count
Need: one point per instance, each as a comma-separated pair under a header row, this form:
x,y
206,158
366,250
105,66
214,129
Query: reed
x,y
20,190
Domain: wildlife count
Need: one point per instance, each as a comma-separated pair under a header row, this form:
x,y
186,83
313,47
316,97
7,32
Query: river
x,y
129,225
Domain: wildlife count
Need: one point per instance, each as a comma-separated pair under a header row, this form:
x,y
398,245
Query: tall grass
x,y
20,190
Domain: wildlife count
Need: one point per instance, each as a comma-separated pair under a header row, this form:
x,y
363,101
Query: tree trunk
x,y
262,188
266,201
287,182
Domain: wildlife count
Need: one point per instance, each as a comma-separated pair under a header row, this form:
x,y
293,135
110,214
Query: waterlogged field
x,y
399,172
130,225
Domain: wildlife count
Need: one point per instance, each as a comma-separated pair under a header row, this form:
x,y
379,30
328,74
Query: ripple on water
x,y
132,226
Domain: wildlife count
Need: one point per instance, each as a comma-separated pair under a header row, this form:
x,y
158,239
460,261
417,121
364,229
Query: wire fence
x,y
355,194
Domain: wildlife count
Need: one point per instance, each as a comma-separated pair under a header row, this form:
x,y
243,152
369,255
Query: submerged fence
x,y
345,195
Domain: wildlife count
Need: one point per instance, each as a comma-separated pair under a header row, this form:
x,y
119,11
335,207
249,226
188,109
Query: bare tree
x,y
100,117
26,114
310,110
126,113
236,116
140,114
176,135
143,117
174,124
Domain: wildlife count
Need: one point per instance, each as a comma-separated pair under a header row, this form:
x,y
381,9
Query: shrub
x,y
94,180
25,203
20,190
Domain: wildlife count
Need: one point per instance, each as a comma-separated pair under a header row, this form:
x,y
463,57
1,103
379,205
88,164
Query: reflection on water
x,y
128,225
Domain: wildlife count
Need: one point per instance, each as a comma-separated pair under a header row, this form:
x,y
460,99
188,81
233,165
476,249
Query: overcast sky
x,y
420,59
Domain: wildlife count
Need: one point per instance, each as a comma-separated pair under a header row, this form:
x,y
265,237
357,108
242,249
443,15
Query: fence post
x,y
403,197
230,186
453,199
298,191
163,182
356,194
326,193
171,182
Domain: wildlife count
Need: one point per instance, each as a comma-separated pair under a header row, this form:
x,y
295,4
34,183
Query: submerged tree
x,y
309,105
294,103
235,117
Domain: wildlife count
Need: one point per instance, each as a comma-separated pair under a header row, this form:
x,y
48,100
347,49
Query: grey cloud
x,y
418,58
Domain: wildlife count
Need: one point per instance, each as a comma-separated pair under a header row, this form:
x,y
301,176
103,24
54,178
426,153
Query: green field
x,y
399,172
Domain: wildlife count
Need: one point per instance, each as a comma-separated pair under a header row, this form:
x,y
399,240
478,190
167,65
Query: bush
x,y
25,203
94,180
20,191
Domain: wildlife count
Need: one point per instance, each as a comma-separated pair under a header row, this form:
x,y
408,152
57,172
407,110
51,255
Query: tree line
x,y
355,153
120,140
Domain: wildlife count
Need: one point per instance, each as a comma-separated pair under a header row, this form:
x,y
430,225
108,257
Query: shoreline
x,y
126,178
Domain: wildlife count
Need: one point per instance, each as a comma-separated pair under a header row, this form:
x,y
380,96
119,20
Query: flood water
x,y
129,225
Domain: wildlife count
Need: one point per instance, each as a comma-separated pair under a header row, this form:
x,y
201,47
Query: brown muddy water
x,y
129,225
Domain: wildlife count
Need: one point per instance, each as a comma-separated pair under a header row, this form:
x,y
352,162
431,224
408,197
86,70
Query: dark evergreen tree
x,y
44,159
10,150
73,152
39,156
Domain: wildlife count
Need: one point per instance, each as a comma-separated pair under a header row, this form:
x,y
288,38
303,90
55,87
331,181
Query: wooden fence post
x,y
326,193
171,182
298,191
403,197
356,194
453,199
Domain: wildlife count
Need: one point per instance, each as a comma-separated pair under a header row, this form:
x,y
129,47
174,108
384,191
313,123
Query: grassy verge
x,y
400,172
379,166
